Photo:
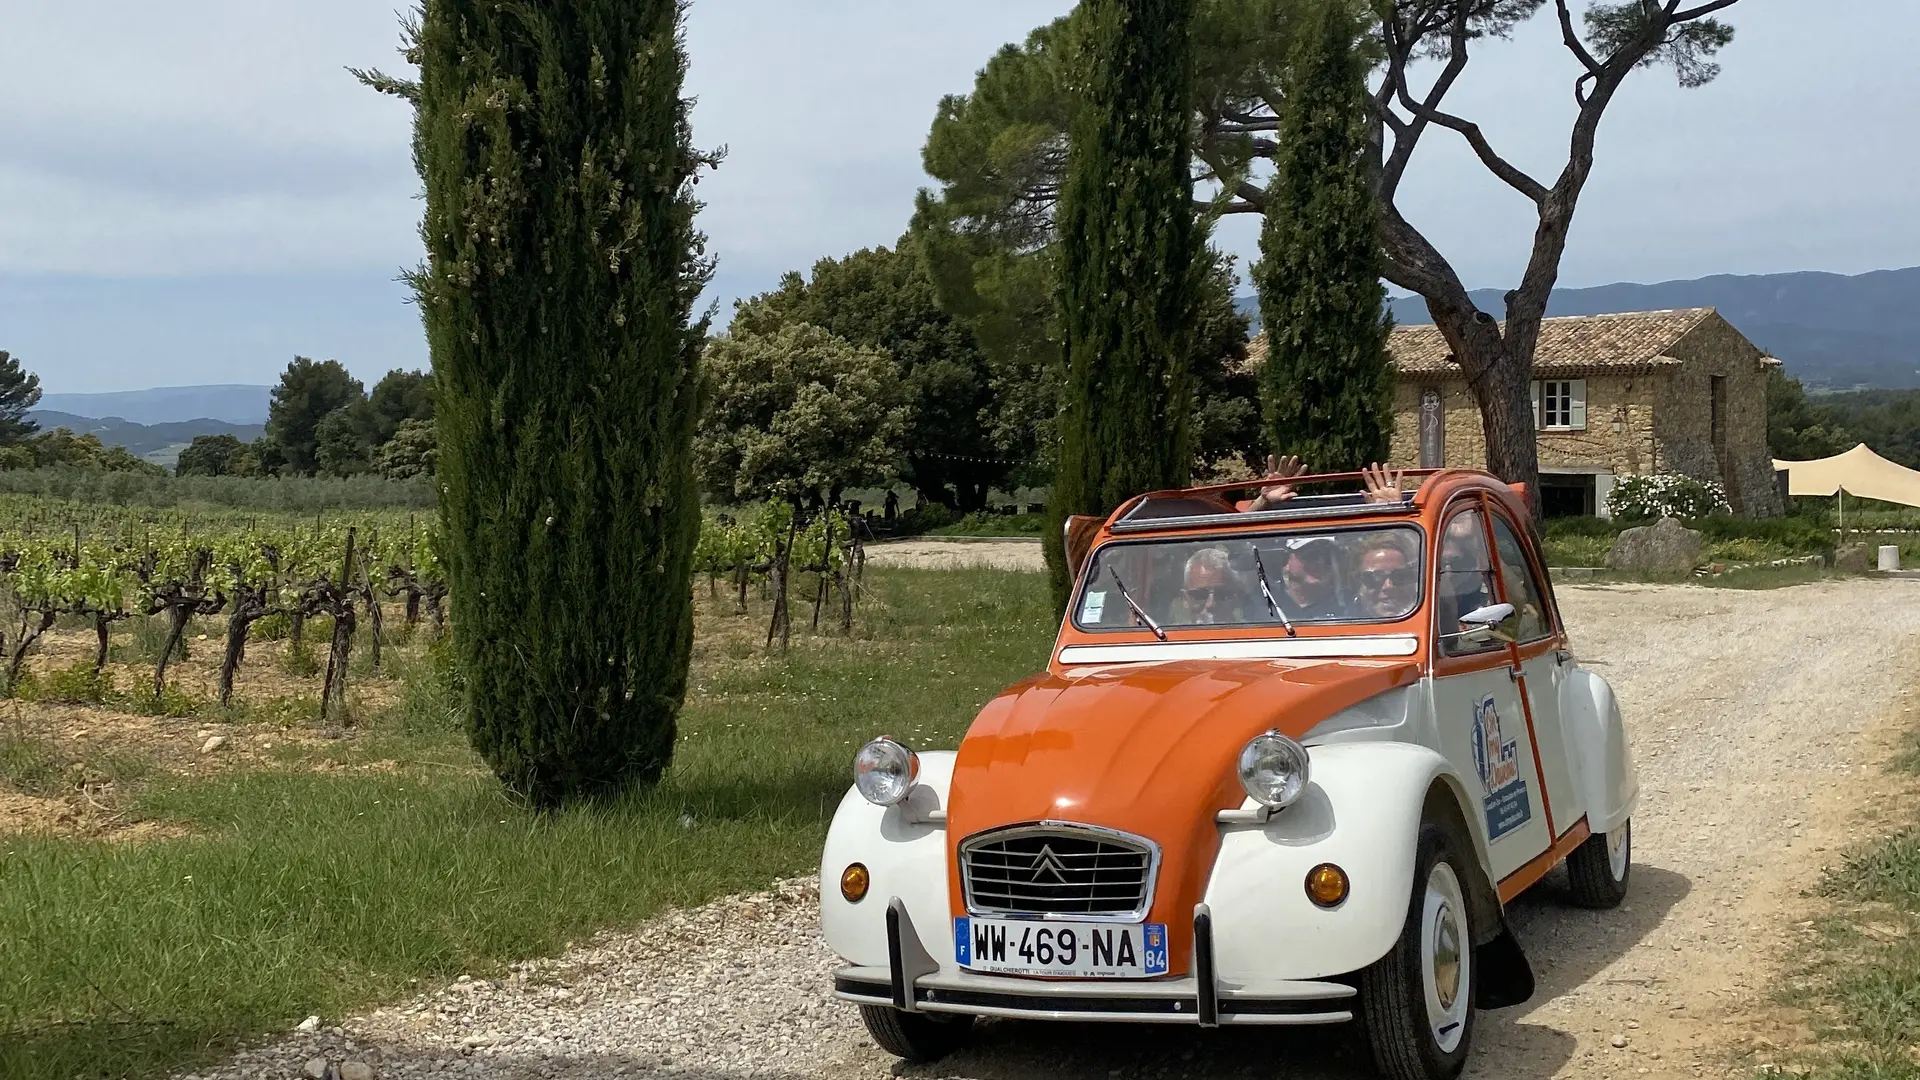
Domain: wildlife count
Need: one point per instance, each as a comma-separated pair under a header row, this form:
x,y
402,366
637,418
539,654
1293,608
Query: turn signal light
x,y
854,882
1327,885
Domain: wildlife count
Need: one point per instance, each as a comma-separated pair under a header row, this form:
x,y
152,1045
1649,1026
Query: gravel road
x,y
1758,720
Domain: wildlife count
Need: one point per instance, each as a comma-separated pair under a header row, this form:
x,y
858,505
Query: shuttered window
x,y
1560,405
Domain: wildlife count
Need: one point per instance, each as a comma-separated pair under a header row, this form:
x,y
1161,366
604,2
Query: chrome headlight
x,y
1273,769
884,771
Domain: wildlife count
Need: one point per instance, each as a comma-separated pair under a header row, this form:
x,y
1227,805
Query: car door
x,y
1540,646
1478,709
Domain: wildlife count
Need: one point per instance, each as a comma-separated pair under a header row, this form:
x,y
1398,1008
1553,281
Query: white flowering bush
x,y
1666,495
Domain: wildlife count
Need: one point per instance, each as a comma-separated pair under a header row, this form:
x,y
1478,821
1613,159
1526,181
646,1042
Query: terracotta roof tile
x,y
1634,341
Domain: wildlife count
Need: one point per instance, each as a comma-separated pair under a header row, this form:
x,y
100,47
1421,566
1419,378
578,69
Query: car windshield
x,y
1311,577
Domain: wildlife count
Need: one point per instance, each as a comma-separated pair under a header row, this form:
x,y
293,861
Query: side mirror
x,y
1483,623
1080,531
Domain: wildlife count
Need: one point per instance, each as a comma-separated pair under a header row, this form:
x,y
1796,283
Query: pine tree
x,y
563,266
1327,389
1130,271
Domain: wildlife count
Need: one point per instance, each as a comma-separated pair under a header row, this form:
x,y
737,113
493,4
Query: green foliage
x,y
554,146
410,453
61,448
1225,388
19,392
307,393
77,684
978,524
1799,430
1659,495
1328,381
343,443
1886,420
1795,536
1130,265
400,396
293,494
795,412
882,299
1689,47
209,455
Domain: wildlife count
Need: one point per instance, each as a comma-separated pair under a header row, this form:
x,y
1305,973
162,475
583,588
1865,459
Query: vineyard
x,y
151,583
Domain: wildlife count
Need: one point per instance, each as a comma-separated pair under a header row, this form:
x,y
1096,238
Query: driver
x,y
1388,578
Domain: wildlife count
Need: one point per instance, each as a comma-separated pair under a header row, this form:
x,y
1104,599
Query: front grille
x,y
1057,870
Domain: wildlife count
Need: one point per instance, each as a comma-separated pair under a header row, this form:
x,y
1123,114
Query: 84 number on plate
x,y
1087,950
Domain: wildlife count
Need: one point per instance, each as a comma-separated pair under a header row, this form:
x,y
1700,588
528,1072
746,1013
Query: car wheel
x,y
1417,1001
1598,869
915,1036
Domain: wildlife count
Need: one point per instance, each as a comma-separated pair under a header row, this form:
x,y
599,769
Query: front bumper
x,y
914,981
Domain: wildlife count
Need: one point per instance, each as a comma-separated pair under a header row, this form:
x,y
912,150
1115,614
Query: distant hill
x,y
234,404
1834,332
158,443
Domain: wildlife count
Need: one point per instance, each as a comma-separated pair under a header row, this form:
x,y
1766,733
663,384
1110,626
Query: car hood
x,y
1148,749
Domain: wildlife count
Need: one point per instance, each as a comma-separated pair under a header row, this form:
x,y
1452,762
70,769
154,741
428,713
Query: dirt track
x,y
1758,720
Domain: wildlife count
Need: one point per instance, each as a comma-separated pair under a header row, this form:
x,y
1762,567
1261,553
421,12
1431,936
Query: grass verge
x,y
324,886
1859,982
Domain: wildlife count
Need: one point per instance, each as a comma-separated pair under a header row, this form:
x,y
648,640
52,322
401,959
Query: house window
x,y
1560,405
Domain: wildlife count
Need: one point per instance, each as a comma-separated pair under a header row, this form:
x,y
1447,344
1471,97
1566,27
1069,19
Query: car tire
x,y
1416,1002
916,1037
1598,870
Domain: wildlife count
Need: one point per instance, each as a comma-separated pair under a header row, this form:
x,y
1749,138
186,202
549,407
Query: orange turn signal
x,y
1327,885
854,882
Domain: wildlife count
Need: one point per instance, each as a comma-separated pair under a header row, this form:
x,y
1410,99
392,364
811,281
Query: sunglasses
x,y
1205,594
1378,579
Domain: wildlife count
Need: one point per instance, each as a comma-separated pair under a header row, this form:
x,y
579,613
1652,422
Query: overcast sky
x,y
194,192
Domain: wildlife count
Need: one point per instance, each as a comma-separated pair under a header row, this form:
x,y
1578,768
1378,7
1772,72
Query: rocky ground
x,y
1759,721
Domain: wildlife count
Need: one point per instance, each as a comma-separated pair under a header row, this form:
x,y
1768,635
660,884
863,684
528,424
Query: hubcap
x,y
1619,851
1445,959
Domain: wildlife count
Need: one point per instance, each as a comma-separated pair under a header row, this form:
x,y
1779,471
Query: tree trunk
x,y
178,616
238,623
374,623
297,626
742,576
28,636
1501,379
413,605
333,691
101,624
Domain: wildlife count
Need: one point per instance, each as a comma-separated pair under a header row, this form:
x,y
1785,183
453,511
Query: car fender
x,y
1597,744
905,854
1361,812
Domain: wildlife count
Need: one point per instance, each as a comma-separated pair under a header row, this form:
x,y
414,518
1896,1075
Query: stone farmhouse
x,y
1613,395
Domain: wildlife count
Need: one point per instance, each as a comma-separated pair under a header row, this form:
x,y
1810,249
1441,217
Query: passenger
x,y
1309,584
1383,485
1388,578
1209,593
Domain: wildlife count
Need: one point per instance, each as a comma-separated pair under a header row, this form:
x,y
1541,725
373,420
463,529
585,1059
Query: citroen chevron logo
x,y
1048,865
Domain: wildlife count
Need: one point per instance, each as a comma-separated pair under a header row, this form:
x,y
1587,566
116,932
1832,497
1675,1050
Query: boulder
x,y
1853,559
1665,547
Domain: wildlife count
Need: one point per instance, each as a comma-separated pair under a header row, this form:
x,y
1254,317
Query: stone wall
x,y
1684,426
1625,403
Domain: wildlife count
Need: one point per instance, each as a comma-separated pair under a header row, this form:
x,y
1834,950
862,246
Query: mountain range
x,y
158,443
231,403
1833,332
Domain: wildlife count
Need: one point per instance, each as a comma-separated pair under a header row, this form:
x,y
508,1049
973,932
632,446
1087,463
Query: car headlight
x,y
1273,769
884,771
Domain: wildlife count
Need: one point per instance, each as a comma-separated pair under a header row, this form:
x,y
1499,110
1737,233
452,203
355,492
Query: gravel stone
x,y
1754,709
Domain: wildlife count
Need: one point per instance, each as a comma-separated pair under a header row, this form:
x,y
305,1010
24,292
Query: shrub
x,y
1793,535
1567,527
925,517
77,685
1658,495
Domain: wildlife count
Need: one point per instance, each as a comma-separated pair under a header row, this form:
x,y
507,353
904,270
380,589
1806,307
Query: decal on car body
x,y
1497,759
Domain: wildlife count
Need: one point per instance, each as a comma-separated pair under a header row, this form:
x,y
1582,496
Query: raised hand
x,y
1383,485
1278,468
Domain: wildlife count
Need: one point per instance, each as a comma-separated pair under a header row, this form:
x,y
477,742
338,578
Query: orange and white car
x,y
1285,766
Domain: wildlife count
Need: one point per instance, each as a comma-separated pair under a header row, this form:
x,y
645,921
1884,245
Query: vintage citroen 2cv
x,y
1287,765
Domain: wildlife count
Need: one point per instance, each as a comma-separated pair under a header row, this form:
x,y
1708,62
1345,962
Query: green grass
x,y
995,525
304,892
1860,981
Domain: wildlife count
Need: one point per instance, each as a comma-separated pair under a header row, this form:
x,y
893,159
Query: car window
x,y
1313,576
1464,581
1523,592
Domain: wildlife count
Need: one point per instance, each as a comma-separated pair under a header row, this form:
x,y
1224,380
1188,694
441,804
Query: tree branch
x,y
1703,10
1573,41
1499,166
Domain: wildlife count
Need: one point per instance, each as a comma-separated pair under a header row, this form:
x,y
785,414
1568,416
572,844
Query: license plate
x,y
1079,950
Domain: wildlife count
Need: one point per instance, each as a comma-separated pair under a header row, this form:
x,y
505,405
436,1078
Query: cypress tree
x,y
562,268
1129,273
1327,388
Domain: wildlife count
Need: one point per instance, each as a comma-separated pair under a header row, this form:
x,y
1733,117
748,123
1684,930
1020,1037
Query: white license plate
x,y
1079,950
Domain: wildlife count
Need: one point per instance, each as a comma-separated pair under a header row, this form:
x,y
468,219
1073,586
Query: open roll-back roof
x,y
1214,506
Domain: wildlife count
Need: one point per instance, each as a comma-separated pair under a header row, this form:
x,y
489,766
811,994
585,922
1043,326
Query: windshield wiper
x,y
1138,612
1273,605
